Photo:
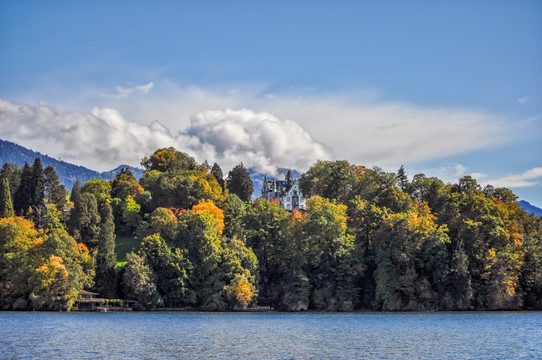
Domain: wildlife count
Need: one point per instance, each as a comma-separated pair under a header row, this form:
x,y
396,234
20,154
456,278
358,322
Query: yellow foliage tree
x,y
213,210
51,285
240,291
18,241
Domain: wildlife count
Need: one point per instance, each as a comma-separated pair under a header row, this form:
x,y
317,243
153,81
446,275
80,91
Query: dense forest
x,y
368,240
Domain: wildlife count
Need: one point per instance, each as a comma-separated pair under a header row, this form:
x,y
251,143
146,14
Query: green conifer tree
x,y
6,205
240,183
23,195
106,259
217,173
55,192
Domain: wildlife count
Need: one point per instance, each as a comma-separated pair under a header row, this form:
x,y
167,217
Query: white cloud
x,y
523,100
391,134
528,178
260,140
279,130
100,140
104,139
357,127
125,92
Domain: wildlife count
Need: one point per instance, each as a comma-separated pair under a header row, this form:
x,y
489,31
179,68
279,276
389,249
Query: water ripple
x,y
270,336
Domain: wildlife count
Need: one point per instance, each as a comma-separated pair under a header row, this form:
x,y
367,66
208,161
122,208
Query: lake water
x,y
270,335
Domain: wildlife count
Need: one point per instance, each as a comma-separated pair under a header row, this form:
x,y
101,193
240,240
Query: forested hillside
x,y
67,173
530,208
369,239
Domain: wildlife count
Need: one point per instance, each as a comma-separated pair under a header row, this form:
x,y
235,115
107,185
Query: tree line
x,y
368,240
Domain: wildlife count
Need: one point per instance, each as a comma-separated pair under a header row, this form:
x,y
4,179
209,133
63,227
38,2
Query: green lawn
x,y
125,244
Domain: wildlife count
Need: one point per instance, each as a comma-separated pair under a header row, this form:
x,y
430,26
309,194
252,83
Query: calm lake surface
x,y
513,335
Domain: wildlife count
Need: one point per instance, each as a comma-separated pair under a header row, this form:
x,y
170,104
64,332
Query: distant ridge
x,y
530,208
68,173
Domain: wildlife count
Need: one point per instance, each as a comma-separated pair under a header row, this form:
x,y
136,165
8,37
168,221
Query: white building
x,y
286,192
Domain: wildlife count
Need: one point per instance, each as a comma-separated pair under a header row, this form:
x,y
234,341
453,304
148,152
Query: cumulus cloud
x,y
100,140
528,178
104,138
260,140
280,130
357,127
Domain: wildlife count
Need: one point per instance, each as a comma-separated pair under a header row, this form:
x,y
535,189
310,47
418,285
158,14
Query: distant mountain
x,y
68,173
530,208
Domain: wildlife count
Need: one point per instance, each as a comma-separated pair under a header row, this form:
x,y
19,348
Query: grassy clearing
x,y
123,245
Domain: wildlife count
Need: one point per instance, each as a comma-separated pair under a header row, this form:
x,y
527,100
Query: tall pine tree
x,y
106,259
38,185
217,173
23,195
13,173
6,206
38,193
55,192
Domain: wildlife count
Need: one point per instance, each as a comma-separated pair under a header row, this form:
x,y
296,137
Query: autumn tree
x,y
61,272
239,267
100,189
130,216
51,285
330,266
199,234
164,222
410,252
296,288
240,291
180,190
124,185
169,160
18,239
364,219
209,207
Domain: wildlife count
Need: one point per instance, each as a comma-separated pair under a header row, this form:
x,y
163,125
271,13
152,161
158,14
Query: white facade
x,y
286,192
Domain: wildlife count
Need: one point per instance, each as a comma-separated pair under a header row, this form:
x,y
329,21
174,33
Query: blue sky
x,y
445,88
